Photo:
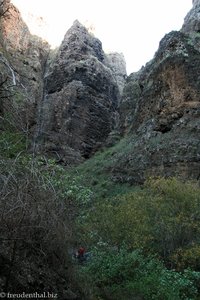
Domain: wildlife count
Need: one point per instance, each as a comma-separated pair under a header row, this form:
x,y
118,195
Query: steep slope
x,y
67,100
192,20
80,100
71,101
22,63
160,111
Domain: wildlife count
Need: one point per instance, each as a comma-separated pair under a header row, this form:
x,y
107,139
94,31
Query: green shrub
x,y
161,218
174,210
12,143
126,275
187,257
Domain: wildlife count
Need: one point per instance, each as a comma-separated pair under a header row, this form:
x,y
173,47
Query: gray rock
x,y
160,111
116,62
81,97
192,20
26,56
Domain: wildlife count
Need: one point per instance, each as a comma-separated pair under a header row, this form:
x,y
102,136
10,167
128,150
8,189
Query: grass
x,y
96,172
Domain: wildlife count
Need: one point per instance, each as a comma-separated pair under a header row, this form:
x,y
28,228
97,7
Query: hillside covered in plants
x,y
92,159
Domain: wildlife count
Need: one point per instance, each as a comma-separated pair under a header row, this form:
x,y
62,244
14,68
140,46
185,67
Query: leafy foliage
x,y
127,275
186,257
161,218
57,177
95,172
41,201
11,144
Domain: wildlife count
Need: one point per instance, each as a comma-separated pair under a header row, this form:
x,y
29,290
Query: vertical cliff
x,y
69,103
192,20
74,100
22,63
160,110
81,98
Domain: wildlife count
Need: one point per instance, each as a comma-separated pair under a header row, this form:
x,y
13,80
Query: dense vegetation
x,y
144,241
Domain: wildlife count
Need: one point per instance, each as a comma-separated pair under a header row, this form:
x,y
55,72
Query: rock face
x,y
67,99
160,110
76,101
80,99
22,62
192,20
116,62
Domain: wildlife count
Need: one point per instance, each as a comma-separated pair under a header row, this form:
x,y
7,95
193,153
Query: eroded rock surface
x,y
161,111
80,99
116,62
22,63
73,98
192,19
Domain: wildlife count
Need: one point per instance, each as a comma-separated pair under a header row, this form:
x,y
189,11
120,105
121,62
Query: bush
x,y
11,144
188,257
127,275
36,227
174,210
161,218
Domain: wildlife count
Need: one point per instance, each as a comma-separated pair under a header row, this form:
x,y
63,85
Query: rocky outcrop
x,y
80,99
15,32
74,101
192,20
160,109
191,26
71,100
116,62
67,99
22,59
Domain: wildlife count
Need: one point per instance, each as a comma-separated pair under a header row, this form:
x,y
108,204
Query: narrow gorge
x,y
77,131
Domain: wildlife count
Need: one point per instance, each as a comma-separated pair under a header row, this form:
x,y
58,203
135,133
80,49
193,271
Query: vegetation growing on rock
x,y
87,163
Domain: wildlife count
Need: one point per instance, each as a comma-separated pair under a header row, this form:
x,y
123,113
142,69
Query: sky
x,y
133,27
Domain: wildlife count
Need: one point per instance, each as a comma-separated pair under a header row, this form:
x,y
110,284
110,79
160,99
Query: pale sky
x,y
133,27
